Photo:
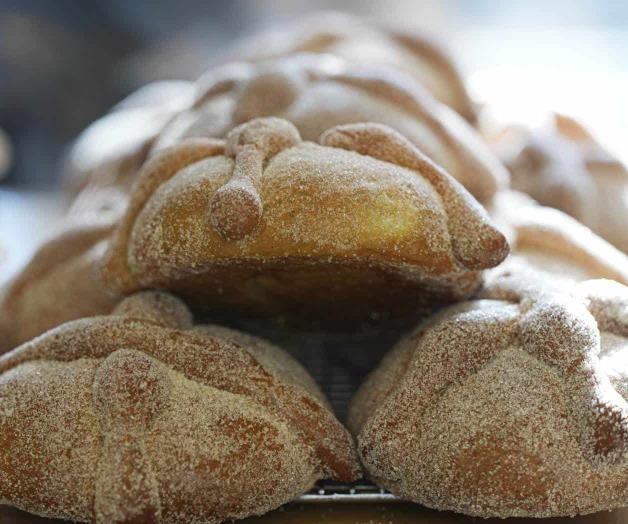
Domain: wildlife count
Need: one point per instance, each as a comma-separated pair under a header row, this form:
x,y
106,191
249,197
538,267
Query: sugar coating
x,y
361,219
319,91
137,416
510,406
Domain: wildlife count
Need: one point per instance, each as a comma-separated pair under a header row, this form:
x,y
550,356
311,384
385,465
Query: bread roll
x,y
141,417
61,282
111,150
318,91
359,41
359,226
510,406
562,165
551,241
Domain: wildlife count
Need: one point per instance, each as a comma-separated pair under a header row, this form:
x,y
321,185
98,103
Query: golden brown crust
x,y
369,218
551,241
510,406
316,92
357,40
466,218
176,424
561,165
61,282
157,170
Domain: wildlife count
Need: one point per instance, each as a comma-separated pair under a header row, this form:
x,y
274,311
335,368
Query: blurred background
x,y
65,63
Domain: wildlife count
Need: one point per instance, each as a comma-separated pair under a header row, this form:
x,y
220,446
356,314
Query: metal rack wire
x,y
328,491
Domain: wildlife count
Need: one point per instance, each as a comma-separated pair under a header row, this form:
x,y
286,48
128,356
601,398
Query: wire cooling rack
x,y
328,491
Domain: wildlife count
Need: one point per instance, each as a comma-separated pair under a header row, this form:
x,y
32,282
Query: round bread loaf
x,y
61,282
319,91
141,417
361,225
551,241
510,406
562,165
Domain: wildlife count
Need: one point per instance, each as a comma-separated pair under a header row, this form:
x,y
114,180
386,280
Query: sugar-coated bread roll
x,y
510,406
562,165
319,91
362,41
141,417
61,282
360,225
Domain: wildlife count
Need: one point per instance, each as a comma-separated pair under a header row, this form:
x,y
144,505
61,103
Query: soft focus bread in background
x,y
548,240
361,225
139,416
318,91
562,165
112,148
511,406
61,282
96,202
361,41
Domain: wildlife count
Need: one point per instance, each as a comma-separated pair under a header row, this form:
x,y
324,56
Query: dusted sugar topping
x,y
514,405
233,220
272,357
319,91
548,240
61,282
140,417
360,41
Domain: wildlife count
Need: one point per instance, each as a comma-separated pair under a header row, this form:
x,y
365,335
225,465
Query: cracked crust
x,y
141,417
265,223
61,282
318,91
359,41
510,406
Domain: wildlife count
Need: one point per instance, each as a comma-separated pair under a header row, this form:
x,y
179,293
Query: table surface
x,y
366,513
